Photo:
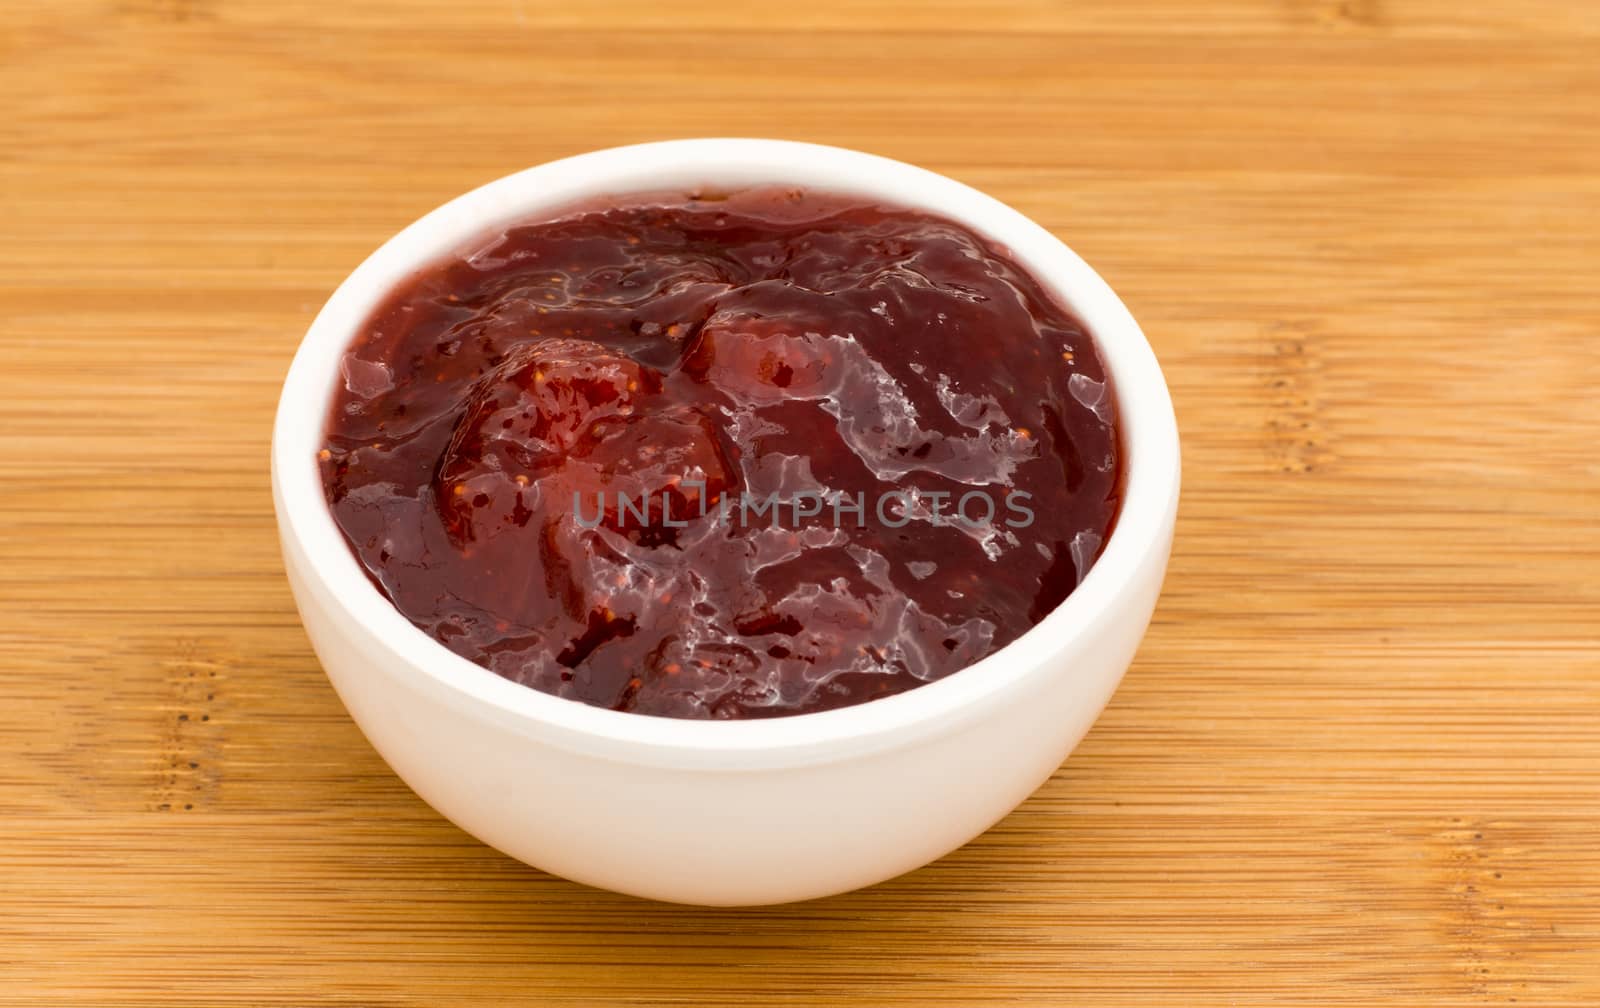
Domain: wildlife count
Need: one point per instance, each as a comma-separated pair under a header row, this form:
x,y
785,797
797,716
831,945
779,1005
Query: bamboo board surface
x,y
1357,760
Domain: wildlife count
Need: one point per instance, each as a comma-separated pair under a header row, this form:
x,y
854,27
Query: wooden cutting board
x,y
1358,758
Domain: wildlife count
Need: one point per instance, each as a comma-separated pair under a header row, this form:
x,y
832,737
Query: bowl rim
x,y
1148,432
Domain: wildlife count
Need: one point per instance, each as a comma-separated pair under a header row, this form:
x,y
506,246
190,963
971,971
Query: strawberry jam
x,y
756,454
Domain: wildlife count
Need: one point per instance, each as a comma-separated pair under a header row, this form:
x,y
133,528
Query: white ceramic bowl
x,y
726,812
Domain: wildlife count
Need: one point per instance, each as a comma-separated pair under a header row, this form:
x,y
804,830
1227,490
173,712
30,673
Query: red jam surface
x,y
752,455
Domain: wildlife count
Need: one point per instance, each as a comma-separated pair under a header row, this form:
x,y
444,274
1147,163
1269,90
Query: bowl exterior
x,y
729,835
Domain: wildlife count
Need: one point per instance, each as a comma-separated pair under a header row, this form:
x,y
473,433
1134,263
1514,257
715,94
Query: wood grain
x,y
1358,759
